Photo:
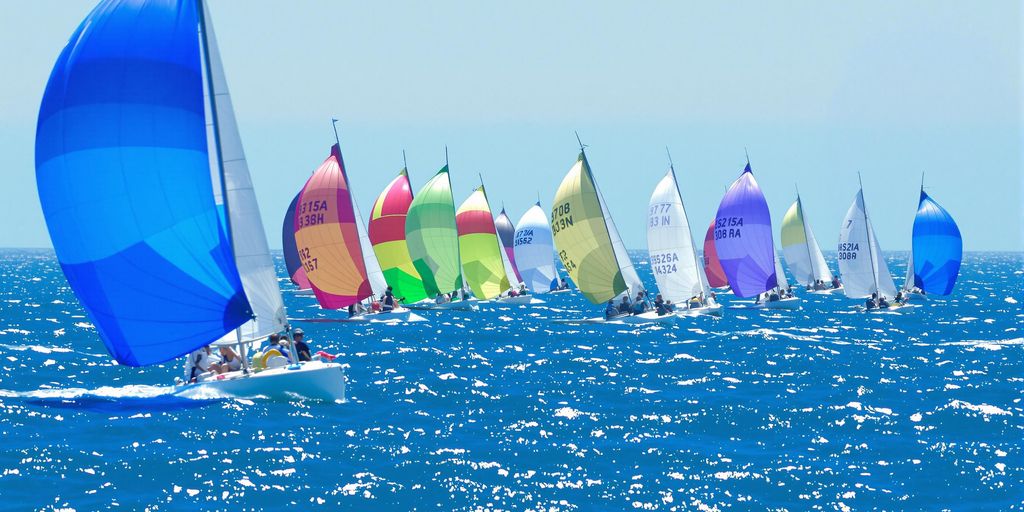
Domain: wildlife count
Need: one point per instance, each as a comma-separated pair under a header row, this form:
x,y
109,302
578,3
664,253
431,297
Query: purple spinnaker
x,y
743,238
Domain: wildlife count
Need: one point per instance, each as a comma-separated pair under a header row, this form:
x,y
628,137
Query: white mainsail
x,y
780,274
373,271
670,244
629,274
800,248
535,250
248,239
860,259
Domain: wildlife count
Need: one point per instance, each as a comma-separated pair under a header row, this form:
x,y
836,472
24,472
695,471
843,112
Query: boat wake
x,y
115,399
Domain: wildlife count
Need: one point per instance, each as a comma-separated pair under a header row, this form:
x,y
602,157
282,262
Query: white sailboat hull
x,y
649,317
314,380
520,299
459,305
787,303
396,316
567,290
828,291
711,310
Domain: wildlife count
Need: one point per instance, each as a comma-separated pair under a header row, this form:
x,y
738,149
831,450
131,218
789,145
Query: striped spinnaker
x,y
482,265
387,234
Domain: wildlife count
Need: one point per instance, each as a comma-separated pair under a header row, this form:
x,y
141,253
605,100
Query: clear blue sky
x,y
816,90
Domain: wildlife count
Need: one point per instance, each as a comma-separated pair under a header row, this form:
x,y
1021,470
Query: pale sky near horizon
x,y
817,91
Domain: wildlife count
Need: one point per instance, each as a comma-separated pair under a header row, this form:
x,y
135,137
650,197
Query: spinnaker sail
x,y
861,264
743,238
432,236
292,262
588,244
482,266
506,233
712,267
535,250
803,256
327,236
670,244
387,234
937,248
158,277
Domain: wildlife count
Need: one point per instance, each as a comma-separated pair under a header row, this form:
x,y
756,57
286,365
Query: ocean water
x,y
822,408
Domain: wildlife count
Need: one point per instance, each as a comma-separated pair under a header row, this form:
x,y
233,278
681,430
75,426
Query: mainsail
x,y
712,267
373,272
670,244
588,244
937,248
506,233
743,238
860,258
387,234
535,250
292,262
158,277
780,274
801,249
432,236
327,236
479,247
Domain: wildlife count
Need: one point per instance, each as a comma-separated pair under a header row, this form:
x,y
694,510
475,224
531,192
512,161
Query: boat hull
x,y
314,380
401,315
521,299
649,317
459,305
787,303
712,310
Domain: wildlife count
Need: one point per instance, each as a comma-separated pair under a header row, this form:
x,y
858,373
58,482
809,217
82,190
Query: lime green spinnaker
x,y
479,246
432,236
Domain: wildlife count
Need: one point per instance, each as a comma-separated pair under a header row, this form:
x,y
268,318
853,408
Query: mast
x,y
867,231
693,249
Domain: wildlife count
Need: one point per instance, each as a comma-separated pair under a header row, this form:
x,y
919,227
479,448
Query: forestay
x,y
860,258
803,256
432,236
670,244
743,238
535,251
156,276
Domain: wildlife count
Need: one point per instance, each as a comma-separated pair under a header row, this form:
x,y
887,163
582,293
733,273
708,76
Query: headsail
x,y
743,238
479,247
373,272
387,234
937,248
860,258
506,233
327,236
670,245
535,250
432,236
291,255
712,267
582,236
780,273
249,240
157,277
801,249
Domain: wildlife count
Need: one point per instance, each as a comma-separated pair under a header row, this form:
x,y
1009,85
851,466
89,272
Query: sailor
x,y
280,344
714,297
639,305
624,307
882,303
774,296
871,303
659,305
229,361
900,298
198,363
301,347
513,293
835,282
703,300
441,298
389,300
356,309
564,285
523,290
610,311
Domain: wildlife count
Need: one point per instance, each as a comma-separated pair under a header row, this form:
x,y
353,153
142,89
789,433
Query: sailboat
x,y
535,251
334,248
590,247
936,250
148,200
387,234
803,255
791,302
671,251
861,263
433,241
743,241
712,267
482,266
506,235
292,262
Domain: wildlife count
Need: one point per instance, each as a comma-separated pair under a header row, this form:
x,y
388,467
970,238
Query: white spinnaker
x,y
670,245
535,250
373,271
629,274
860,259
248,239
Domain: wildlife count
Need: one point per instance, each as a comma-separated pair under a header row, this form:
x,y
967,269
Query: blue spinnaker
x,y
123,173
938,248
743,238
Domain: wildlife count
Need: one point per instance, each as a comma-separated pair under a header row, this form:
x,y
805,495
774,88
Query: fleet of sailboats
x,y
162,241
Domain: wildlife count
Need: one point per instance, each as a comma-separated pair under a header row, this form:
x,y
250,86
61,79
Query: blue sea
x,y
823,408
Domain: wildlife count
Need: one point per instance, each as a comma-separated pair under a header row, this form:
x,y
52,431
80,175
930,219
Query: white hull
x,y
567,290
459,305
712,310
314,380
649,317
401,315
521,299
302,293
828,291
788,303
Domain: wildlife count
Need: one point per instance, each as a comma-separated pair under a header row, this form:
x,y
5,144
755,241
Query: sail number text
x,y
664,263
848,251
523,237
308,263
561,218
311,213
657,216
728,227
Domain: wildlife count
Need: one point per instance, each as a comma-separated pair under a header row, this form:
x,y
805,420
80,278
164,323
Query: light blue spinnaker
x,y
937,248
123,172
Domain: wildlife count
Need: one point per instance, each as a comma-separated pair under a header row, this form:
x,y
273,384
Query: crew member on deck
x,y
300,345
610,311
